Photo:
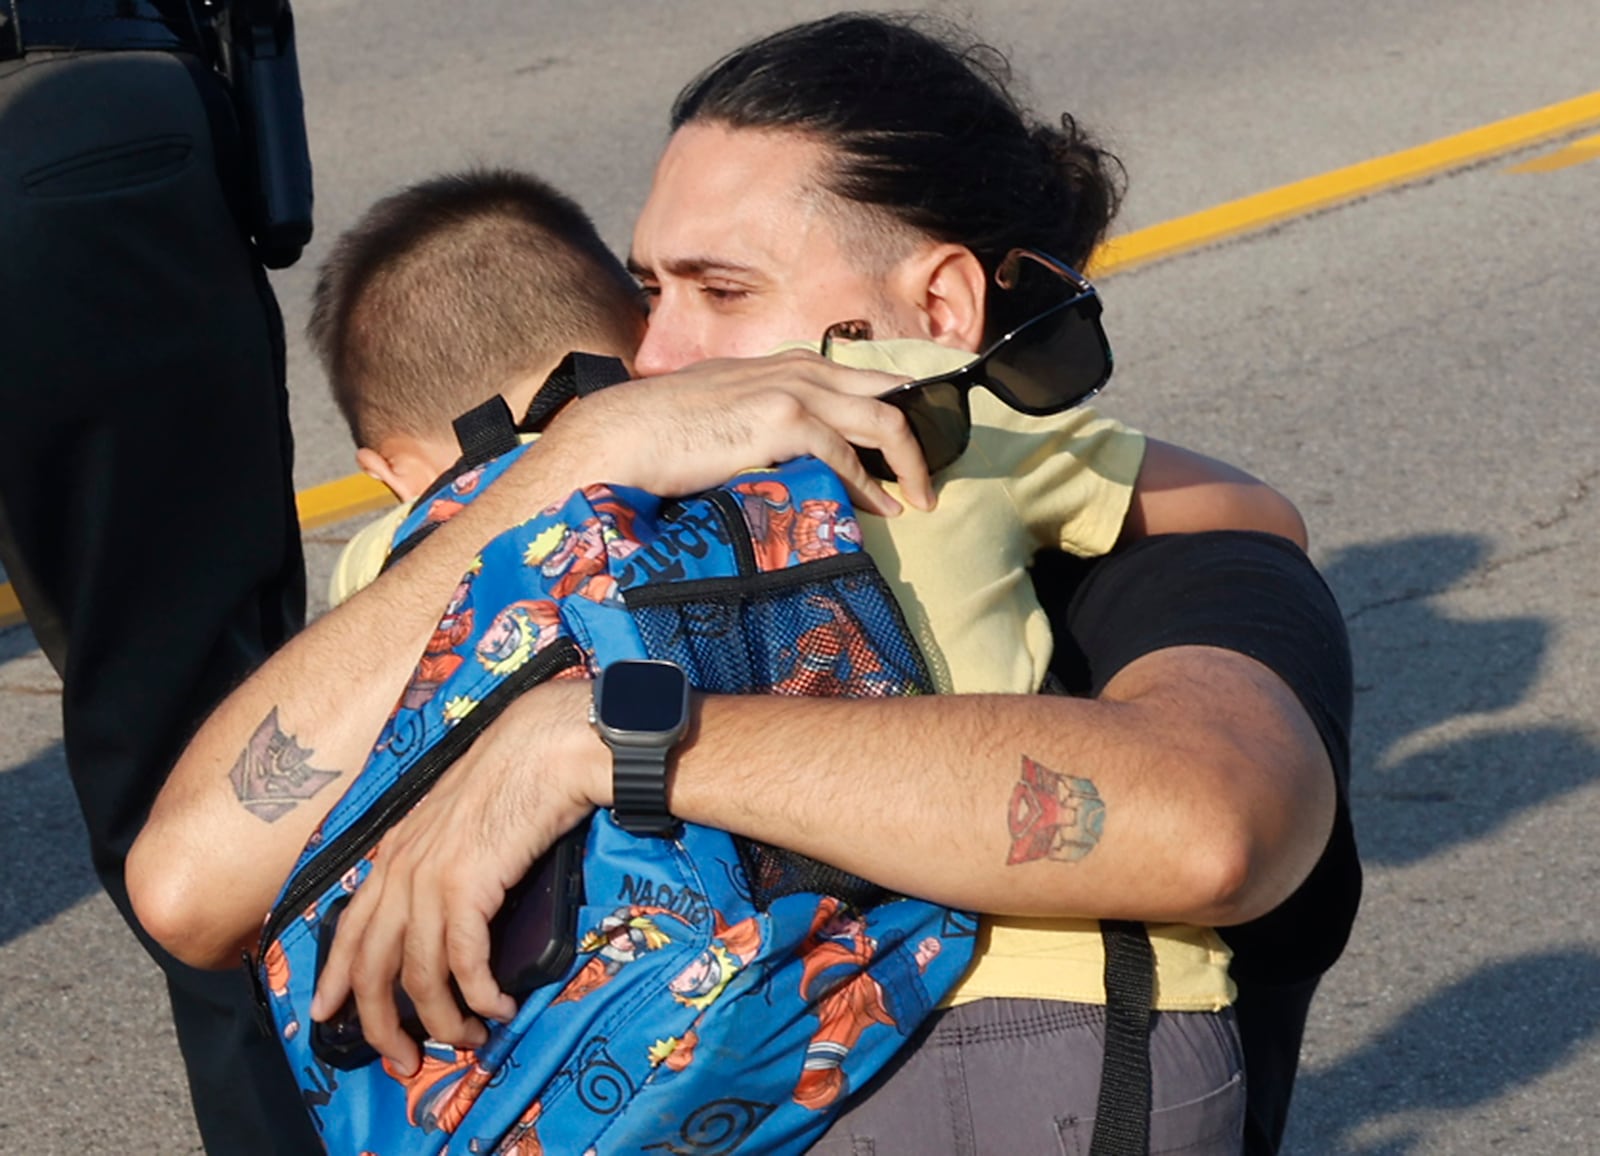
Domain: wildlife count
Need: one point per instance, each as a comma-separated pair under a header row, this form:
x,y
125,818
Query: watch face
x,y
642,696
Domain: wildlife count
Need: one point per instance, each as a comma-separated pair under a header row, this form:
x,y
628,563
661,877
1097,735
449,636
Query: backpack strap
x,y
1122,1116
485,431
578,375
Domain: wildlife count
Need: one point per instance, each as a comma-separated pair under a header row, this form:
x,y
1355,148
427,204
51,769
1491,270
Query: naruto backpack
x,y
725,996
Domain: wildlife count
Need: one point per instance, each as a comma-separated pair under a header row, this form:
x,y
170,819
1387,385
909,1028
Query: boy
x,y
442,295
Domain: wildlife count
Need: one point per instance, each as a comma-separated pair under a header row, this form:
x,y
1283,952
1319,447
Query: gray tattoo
x,y
1053,816
274,773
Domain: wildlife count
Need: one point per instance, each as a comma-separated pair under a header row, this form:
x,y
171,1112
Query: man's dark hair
x,y
444,293
924,130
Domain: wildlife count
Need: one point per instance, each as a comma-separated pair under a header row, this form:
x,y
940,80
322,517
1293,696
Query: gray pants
x,y
1011,1077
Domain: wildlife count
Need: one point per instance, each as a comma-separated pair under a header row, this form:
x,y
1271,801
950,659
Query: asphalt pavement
x,y
1416,369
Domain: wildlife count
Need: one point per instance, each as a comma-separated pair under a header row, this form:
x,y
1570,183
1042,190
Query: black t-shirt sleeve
x,y
1257,595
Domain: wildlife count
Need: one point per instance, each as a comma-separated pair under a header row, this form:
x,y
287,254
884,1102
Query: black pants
x,y
146,503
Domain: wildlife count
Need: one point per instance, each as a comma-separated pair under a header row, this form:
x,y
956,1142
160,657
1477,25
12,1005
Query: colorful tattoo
x,y
1053,816
274,773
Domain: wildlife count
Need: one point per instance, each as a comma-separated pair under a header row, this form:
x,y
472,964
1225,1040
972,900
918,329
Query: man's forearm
x,y
1194,790
273,758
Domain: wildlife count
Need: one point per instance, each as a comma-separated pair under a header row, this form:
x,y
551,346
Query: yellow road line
x,y
345,498
10,608
1296,200
1575,153
349,497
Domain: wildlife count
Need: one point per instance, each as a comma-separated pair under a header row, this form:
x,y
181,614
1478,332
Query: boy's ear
x,y
406,470
948,284
375,465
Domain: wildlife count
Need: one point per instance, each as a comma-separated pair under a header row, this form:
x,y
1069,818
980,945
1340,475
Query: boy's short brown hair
x,y
445,292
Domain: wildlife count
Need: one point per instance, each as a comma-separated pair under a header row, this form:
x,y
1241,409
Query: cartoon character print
x,y
276,963
523,1139
622,937
443,1088
820,527
769,512
778,530
834,660
455,496
439,660
577,558
517,633
847,999
707,976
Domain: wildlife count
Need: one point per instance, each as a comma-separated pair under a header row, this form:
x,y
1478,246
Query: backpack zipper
x,y
731,515
348,847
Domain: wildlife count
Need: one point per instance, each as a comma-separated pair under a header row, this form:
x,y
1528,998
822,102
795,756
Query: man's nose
x,y
666,345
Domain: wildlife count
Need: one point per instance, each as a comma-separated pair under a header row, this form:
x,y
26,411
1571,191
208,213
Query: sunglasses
x,y
1055,360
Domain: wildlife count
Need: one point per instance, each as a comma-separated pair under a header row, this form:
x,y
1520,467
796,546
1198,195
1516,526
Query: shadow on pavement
x,y
1417,668
44,854
1509,1023
15,641
1503,1026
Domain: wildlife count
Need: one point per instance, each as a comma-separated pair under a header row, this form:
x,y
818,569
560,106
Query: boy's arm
x,y
1182,492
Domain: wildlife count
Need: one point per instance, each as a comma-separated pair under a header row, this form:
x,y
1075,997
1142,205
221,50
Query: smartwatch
x,y
641,710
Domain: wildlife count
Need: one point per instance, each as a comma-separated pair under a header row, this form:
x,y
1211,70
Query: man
x,y
1214,772
143,394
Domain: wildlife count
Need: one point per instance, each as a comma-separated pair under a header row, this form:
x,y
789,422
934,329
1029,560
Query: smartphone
x,y
532,941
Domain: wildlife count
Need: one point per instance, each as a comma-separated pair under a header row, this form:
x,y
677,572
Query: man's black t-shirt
x,y
1257,595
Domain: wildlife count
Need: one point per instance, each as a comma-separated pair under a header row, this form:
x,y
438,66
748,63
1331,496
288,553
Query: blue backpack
x,y
724,995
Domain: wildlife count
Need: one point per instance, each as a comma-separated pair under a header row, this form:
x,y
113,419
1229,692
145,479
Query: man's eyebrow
x,y
689,267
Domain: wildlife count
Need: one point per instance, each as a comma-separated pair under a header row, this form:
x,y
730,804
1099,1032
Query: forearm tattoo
x,y
1053,816
274,773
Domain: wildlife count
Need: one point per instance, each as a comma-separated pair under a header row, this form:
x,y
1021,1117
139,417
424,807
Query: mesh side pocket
x,y
828,628
825,629
774,872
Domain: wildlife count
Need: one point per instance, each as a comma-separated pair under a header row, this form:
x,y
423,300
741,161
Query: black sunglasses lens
x,y
939,418
940,421
875,464
1054,362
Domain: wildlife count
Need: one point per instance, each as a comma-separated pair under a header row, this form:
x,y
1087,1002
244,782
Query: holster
x,y
256,54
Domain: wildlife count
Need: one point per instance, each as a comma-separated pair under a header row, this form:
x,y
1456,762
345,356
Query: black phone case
x,y
533,939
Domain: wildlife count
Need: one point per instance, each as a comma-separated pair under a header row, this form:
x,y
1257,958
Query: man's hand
x,y
442,872
686,431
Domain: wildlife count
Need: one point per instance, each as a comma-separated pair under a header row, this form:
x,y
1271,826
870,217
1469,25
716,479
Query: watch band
x,y
639,791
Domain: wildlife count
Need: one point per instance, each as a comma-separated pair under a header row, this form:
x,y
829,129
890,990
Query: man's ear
x,y
406,466
948,284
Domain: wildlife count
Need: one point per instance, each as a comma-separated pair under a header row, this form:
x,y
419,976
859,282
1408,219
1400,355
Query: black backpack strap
x,y
1122,1117
484,432
578,375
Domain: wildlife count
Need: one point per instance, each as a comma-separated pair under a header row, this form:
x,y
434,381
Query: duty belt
x,y
93,25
